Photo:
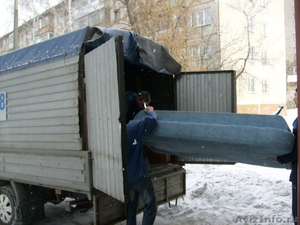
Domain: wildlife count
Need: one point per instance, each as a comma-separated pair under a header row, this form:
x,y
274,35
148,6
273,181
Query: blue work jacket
x,y
138,163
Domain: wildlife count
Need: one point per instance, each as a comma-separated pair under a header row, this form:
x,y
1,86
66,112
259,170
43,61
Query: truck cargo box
x,y
62,118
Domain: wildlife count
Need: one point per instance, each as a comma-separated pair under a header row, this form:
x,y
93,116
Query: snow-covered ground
x,y
216,195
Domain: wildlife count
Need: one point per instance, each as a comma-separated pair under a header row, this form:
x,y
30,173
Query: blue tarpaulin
x,y
138,50
53,49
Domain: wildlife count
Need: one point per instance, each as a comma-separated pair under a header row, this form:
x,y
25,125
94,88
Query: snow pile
x,y
232,194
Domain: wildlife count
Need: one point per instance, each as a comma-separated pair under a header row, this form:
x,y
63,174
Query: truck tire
x,y
8,207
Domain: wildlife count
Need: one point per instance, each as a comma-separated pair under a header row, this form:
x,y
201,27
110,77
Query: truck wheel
x,y
7,205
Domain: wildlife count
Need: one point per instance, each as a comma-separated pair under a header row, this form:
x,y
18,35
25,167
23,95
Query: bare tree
x,y
163,21
171,23
196,47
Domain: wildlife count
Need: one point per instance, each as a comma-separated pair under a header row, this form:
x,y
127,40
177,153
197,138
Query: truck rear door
x,y
103,119
209,91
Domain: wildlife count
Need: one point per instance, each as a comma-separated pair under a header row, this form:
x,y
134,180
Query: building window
x,y
264,58
29,38
250,23
82,22
251,84
263,3
294,28
3,46
203,51
206,50
45,36
105,15
265,86
22,40
57,20
45,21
10,41
117,14
94,19
196,52
201,18
264,28
251,54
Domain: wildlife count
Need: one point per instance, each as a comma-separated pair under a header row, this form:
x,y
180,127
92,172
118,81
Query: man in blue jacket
x,y
140,184
292,157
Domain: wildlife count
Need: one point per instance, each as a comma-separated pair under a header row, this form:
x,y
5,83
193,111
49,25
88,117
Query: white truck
x,y
62,122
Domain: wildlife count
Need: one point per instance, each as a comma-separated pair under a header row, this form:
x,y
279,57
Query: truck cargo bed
x,y
169,184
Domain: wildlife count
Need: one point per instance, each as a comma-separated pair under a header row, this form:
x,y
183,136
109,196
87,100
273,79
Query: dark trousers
x,y
143,188
294,201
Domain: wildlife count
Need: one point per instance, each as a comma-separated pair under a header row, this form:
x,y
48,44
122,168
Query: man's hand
x,y
149,109
274,159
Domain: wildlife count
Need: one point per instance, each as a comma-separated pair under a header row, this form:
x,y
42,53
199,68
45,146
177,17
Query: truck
x,y
63,120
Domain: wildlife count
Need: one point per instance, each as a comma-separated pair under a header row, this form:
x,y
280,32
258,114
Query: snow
x,y
215,195
226,194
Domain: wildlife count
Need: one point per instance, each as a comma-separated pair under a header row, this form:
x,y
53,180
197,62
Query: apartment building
x,y
243,35
259,32
290,37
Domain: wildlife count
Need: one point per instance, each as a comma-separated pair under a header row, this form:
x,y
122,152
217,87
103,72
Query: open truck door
x,y
103,119
208,91
105,100
124,61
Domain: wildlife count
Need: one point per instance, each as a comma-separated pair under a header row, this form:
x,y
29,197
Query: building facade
x,y
290,37
258,31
